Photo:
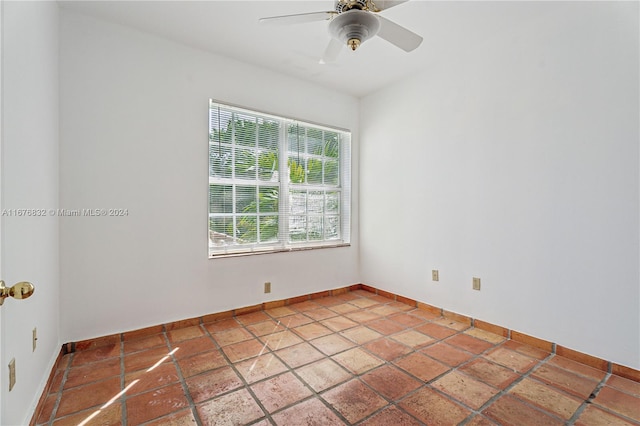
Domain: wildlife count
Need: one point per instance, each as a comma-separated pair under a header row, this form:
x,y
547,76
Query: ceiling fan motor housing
x,y
353,27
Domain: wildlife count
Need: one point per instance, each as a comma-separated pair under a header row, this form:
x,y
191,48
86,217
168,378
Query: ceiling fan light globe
x,y
354,27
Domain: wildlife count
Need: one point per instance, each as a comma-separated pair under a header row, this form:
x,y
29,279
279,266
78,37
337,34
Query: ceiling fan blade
x,y
331,52
386,4
398,35
299,18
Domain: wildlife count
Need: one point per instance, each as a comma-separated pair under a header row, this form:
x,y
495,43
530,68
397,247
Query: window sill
x,y
283,250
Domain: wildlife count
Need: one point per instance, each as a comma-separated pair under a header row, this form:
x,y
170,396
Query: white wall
x,y
516,161
134,135
29,181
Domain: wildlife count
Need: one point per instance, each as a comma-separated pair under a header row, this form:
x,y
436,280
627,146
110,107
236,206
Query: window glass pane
x,y
220,199
314,171
295,138
332,227
331,145
296,169
247,227
314,141
268,134
268,166
333,202
297,228
315,202
246,199
221,126
314,228
331,172
268,228
221,231
245,164
245,130
219,160
268,199
298,202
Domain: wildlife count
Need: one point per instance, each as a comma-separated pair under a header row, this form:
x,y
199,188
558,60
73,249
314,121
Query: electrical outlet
x,y
476,283
12,374
267,287
34,338
435,275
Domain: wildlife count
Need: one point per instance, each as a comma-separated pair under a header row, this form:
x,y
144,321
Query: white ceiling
x,y
231,28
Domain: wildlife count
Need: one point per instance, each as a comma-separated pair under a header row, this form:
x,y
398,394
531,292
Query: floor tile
x,y
469,343
413,339
146,359
231,336
509,411
485,335
576,367
332,344
431,408
362,316
156,403
338,323
144,343
222,325
625,385
447,354
547,398
111,415
320,314
281,340
323,374
236,408
312,331
180,418
511,359
594,416
357,361
308,413
186,333
87,373
391,382
385,326
191,347
280,391
97,354
201,362
421,366
566,380
245,350
143,380
265,327
387,349
87,396
260,368
355,358
252,318
391,416
354,400
213,383
295,320
298,355
360,334
436,331
406,319
619,402
465,389
488,372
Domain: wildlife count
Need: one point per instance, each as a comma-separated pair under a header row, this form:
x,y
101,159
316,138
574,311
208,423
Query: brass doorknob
x,y
21,290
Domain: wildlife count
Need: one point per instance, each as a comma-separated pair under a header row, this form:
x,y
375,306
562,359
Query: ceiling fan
x,y
352,23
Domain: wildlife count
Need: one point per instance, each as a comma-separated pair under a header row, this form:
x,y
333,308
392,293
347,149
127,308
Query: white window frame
x,y
227,244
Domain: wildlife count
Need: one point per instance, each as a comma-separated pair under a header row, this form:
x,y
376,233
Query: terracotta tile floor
x,y
351,359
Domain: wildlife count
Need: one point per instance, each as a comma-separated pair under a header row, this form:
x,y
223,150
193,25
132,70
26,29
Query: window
x,y
275,184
